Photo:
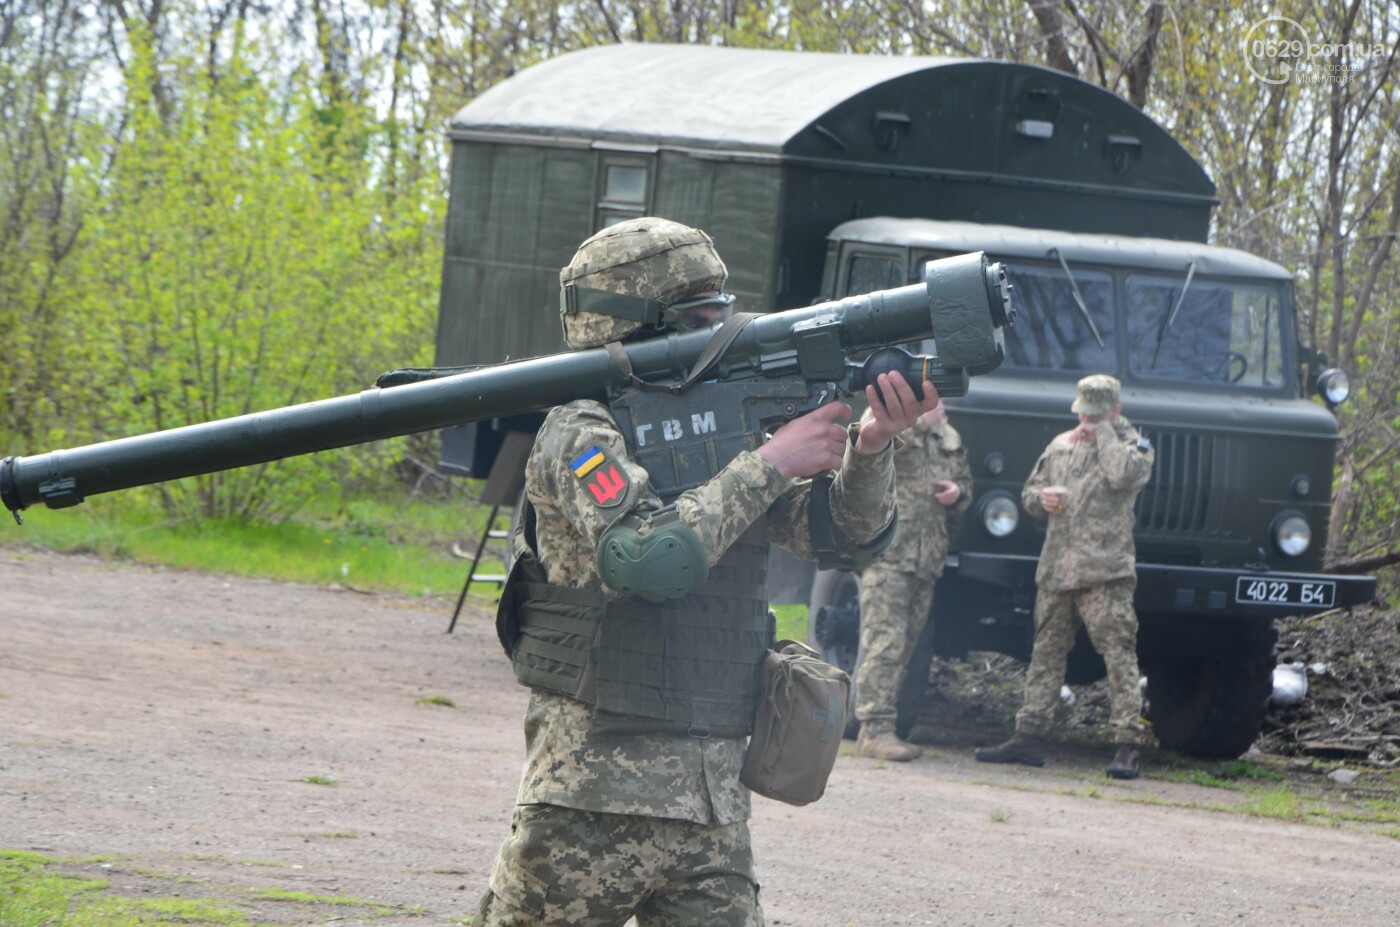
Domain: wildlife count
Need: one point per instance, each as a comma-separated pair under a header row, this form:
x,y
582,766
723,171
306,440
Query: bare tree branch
x,y
1052,30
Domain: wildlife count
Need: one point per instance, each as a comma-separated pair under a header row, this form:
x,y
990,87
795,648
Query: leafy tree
x,y
239,257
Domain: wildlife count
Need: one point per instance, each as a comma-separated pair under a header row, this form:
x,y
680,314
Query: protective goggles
x,y
653,312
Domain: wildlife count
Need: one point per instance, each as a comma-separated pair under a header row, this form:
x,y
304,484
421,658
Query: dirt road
x,y
220,737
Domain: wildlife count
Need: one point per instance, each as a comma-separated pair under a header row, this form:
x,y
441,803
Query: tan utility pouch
x,y
798,726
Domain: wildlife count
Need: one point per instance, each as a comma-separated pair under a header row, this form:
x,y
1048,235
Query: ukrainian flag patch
x,y
605,481
587,462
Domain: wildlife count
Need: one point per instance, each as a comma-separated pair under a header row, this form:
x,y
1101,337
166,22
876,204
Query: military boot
x,y
886,745
1125,762
1027,749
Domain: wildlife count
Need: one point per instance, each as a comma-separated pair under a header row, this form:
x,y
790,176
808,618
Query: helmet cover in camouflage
x,y
1098,394
649,258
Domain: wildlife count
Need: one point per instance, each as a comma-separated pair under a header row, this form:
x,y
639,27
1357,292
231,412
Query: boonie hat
x,y
1098,394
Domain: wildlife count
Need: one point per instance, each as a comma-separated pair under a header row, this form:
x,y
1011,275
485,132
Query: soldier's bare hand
x,y
809,443
1052,499
1081,432
893,408
946,492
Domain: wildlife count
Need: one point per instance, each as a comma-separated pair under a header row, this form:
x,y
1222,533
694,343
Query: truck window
x,y
624,192
871,272
1051,332
1220,333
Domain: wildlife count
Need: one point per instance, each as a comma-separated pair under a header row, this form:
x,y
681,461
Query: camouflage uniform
x,y
609,825
1087,568
897,592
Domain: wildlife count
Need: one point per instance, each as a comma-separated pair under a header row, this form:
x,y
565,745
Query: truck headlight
x,y
1334,385
1000,514
1291,534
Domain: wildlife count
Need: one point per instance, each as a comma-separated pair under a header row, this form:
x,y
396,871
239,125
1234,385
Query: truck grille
x,y
1176,500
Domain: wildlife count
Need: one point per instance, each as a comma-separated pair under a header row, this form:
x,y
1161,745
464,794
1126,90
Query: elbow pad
x,y
834,549
665,563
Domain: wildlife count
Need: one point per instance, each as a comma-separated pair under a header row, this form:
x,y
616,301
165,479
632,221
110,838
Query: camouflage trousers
x,y
562,867
1106,611
894,606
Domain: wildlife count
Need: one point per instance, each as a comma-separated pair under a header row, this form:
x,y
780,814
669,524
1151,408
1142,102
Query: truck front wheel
x,y
1212,706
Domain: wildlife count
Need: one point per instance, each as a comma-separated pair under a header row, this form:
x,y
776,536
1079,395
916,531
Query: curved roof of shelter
x,y
1006,241
695,95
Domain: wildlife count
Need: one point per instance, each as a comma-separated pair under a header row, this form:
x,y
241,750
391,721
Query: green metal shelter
x,y
769,151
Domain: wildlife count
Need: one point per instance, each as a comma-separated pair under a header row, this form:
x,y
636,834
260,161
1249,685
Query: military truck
x,y
825,175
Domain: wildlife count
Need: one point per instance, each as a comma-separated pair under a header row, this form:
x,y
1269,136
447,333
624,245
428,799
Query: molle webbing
x,y
557,626
689,665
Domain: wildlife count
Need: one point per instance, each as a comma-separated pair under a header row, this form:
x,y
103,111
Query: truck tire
x,y
833,629
1212,706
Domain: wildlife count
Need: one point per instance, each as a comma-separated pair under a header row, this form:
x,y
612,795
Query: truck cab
x,y
1233,524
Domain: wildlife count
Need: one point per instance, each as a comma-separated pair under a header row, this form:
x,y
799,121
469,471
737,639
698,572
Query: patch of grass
x,y
1000,815
1373,811
344,835
792,622
320,780
1227,774
277,894
397,545
119,911
442,700
1199,777
1281,804
1248,769
33,896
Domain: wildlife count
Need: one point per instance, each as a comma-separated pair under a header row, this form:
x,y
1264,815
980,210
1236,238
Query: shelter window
x,y
870,272
1218,333
1052,331
626,188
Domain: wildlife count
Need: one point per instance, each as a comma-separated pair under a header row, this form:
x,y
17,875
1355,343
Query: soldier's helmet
x,y
638,274
1098,394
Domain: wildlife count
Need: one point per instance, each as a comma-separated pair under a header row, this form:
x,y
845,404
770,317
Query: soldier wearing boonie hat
x,y
1097,395
1086,483
630,802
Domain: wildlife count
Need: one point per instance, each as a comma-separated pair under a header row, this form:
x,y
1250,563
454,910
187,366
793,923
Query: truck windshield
x,y
1220,333
1051,332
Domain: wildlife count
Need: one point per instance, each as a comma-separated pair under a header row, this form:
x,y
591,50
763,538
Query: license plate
x,y
1309,593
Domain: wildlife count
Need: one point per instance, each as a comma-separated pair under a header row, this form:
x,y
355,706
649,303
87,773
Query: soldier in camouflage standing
x,y
638,618
1086,483
932,481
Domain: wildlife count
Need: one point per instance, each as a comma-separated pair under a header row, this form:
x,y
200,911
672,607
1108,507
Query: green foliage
x,y
399,546
241,253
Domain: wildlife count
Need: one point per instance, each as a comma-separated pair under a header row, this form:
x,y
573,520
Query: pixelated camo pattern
x,y
649,257
663,775
897,592
1107,613
1092,541
1097,394
560,866
927,453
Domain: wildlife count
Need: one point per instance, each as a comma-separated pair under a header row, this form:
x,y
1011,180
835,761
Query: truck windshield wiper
x,y
1078,297
1171,316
